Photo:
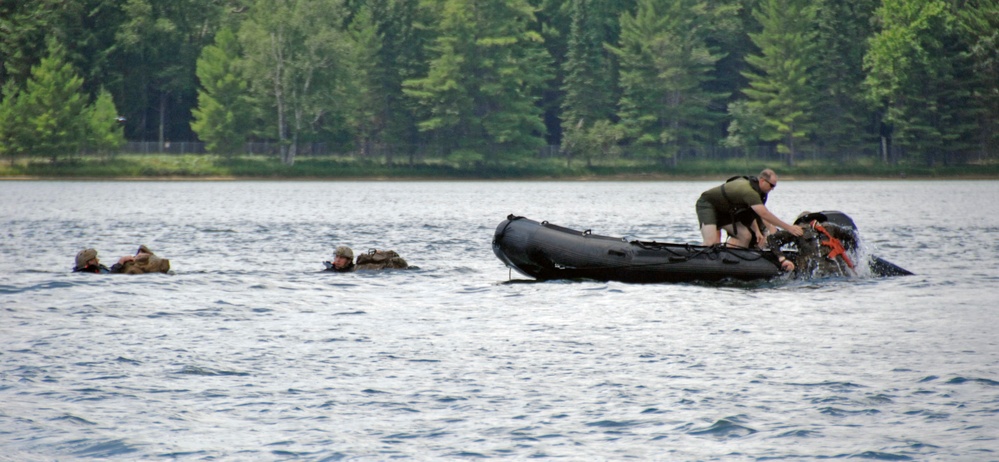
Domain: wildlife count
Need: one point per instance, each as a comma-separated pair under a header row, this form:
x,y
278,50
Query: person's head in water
x,y
343,257
87,260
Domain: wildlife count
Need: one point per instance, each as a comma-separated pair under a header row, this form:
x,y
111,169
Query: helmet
x,y
84,256
344,251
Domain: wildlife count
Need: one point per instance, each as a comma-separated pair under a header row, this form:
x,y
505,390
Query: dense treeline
x,y
492,81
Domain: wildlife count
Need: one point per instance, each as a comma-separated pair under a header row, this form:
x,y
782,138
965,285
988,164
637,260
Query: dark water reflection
x,y
247,351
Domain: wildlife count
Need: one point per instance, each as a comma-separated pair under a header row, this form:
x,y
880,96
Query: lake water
x,y
249,352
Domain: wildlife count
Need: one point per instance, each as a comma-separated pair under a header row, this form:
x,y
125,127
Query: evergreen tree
x,y
364,106
156,51
590,82
104,133
51,108
844,27
918,73
11,121
224,114
730,35
666,63
399,56
85,28
782,82
488,67
980,30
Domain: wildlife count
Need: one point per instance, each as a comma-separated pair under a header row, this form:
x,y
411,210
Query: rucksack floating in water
x,y
376,259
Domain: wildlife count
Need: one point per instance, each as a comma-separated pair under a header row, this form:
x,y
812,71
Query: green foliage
x,y
192,166
26,27
363,114
296,56
979,21
781,82
399,55
747,126
224,113
589,68
598,141
157,48
10,122
104,133
484,79
485,83
50,110
666,62
915,64
839,74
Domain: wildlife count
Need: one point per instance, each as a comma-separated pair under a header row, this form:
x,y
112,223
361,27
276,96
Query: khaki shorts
x,y
707,215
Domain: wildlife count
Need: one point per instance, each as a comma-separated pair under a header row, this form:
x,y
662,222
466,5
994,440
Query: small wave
x,y
108,449
73,419
798,434
962,380
839,412
723,428
830,384
929,415
7,289
178,455
613,423
875,455
207,371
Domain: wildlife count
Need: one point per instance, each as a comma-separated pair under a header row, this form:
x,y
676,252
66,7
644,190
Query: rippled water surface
x,y
249,352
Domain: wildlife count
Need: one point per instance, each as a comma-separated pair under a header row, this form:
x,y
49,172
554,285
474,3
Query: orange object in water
x,y
835,246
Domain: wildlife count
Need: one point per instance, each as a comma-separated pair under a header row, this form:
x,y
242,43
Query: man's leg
x,y
710,234
739,236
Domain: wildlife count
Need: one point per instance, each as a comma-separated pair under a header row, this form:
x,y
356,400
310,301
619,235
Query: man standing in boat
x,y
739,207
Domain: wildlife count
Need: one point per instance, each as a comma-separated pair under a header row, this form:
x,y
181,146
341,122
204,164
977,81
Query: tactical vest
x,y
741,213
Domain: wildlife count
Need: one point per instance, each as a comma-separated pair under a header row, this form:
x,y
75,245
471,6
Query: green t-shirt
x,y
740,193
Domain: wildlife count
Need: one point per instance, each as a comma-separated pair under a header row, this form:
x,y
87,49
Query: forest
x,y
480,82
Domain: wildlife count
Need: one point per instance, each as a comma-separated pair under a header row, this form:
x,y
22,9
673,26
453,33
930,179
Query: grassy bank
x,y
259,167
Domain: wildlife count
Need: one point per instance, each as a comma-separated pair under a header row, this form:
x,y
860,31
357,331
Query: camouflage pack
x,y
380,259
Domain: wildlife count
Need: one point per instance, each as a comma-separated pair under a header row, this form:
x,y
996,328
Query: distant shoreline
x,y
570,179
261,168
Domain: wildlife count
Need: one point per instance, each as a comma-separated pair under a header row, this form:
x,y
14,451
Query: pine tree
x,y
157,48
782,82
224,113
666,63
844,27
52,108
364,106
105,133
480,94
979,21
589,80
11,121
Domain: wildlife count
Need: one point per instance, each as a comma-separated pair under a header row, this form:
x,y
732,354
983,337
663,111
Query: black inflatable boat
x,y
545,251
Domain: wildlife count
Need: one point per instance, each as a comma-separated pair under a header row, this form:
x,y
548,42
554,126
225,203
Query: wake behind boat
x,y
545,251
